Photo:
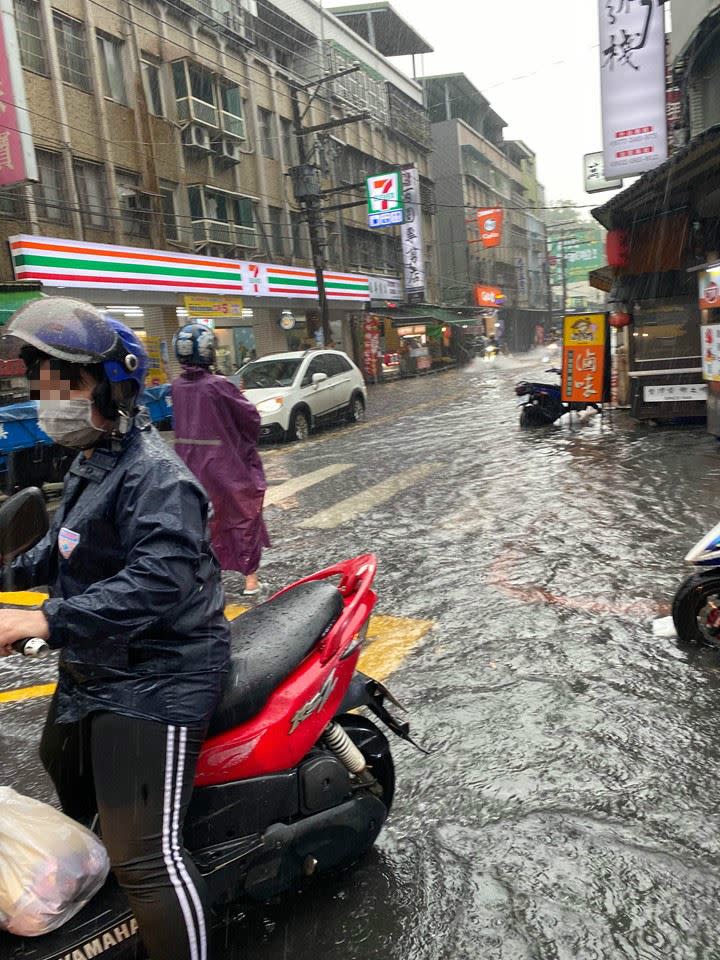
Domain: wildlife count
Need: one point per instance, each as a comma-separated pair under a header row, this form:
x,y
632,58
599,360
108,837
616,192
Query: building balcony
x,y
192,110
409,118
219,233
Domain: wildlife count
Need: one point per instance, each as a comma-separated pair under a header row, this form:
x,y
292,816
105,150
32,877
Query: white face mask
x,y
69,423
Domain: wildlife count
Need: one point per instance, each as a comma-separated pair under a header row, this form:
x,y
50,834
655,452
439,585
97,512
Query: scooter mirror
x,y
23,522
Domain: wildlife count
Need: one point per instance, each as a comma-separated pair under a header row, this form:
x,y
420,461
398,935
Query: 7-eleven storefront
x,y
255,308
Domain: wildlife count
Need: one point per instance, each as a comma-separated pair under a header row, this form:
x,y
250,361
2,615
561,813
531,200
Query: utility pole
x,y
306,182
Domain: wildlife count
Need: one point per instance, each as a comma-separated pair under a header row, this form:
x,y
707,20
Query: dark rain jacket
x,y
216,434
136,601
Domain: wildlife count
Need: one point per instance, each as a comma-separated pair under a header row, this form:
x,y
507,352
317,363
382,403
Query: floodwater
x,y
569,806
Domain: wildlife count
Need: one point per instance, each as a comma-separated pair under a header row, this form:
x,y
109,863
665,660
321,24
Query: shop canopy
x,y
430,316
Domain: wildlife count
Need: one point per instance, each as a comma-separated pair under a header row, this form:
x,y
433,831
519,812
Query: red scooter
x,y
289,784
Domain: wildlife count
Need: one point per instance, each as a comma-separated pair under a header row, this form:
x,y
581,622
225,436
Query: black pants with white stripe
x,y
137,775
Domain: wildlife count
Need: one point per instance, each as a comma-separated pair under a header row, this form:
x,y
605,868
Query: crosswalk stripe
x,y
282,491
360,503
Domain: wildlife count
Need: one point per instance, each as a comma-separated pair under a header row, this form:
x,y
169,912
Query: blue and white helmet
x,y
195,345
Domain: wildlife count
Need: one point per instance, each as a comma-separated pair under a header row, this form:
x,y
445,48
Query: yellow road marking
x,y
390,640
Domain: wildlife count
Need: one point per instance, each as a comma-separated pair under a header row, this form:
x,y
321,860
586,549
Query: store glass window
x,y
51,199
72,51
664,331
152,84
30,36
110,54
92,196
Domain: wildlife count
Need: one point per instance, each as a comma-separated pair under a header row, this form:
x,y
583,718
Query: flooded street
x,y
568,808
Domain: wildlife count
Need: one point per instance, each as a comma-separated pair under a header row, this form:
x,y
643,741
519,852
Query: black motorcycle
x,y
544,404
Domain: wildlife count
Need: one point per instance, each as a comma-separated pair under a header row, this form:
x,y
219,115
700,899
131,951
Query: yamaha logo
x,y
104,941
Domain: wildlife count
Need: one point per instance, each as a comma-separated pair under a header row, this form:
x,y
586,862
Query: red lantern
x,y
620,320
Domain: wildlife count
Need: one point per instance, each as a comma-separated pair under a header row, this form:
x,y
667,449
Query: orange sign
x,y
584,340
492,297
490,223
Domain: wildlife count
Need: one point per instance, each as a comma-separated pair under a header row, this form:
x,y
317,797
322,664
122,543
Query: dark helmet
x,y
195,345
77,332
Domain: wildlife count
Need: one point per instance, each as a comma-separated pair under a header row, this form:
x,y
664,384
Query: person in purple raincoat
x,y
216,433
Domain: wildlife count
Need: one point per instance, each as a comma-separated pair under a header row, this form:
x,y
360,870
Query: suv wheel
x,y
299,426
356,409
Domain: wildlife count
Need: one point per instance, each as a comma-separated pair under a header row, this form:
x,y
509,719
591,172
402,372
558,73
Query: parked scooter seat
x,y
268,643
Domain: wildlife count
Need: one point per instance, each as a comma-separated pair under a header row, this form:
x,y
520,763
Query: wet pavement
x,y
569,808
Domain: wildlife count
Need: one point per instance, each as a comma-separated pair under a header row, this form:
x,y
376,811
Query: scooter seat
x,y
268,643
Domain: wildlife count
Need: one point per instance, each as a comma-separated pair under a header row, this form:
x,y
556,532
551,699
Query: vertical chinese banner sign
x,y
411,238
371,347
17,156
584,358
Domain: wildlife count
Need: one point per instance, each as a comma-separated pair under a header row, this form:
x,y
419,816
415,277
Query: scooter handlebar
x,y
32,647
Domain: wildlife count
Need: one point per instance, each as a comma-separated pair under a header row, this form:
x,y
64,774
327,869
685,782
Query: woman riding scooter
x,y
136,611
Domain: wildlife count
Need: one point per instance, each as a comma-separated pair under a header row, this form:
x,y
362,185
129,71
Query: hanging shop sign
x,y
632,76
411,238
709,290
490,224
584,355
17,153
72,263
216,307
711,351
385,199
489,297
594,174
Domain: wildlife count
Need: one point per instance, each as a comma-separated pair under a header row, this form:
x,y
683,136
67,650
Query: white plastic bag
x,y
50,866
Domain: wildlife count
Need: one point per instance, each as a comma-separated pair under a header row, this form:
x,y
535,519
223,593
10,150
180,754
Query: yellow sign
x,y
157,373
583,378
213,307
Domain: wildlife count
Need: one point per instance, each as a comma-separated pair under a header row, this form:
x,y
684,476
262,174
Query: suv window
x,y
317,365
262,374
337,364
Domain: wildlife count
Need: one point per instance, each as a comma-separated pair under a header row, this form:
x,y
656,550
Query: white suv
x,y
294,392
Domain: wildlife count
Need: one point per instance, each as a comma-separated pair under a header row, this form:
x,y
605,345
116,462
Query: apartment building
x,y
164,135
475,168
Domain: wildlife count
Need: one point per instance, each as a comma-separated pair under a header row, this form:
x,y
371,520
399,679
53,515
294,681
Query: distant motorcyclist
x,y
136,611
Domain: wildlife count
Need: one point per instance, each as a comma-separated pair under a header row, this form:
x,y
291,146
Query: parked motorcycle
x,y
289,783
696,606
544,404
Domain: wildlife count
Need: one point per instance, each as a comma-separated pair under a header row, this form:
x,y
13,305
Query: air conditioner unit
x,y
227,150
196,137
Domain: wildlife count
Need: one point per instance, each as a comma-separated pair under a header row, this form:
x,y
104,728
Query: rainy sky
x,y
556,109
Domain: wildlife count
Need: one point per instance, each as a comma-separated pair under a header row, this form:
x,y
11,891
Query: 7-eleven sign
x,y
385,200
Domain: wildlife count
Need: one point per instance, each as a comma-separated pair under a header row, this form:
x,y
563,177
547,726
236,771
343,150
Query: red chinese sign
x,y
492,297
490,223
583,369
17,157
371,347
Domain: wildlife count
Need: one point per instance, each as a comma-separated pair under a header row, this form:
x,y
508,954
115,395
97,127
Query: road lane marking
x,y
360,503
283,491
390,639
